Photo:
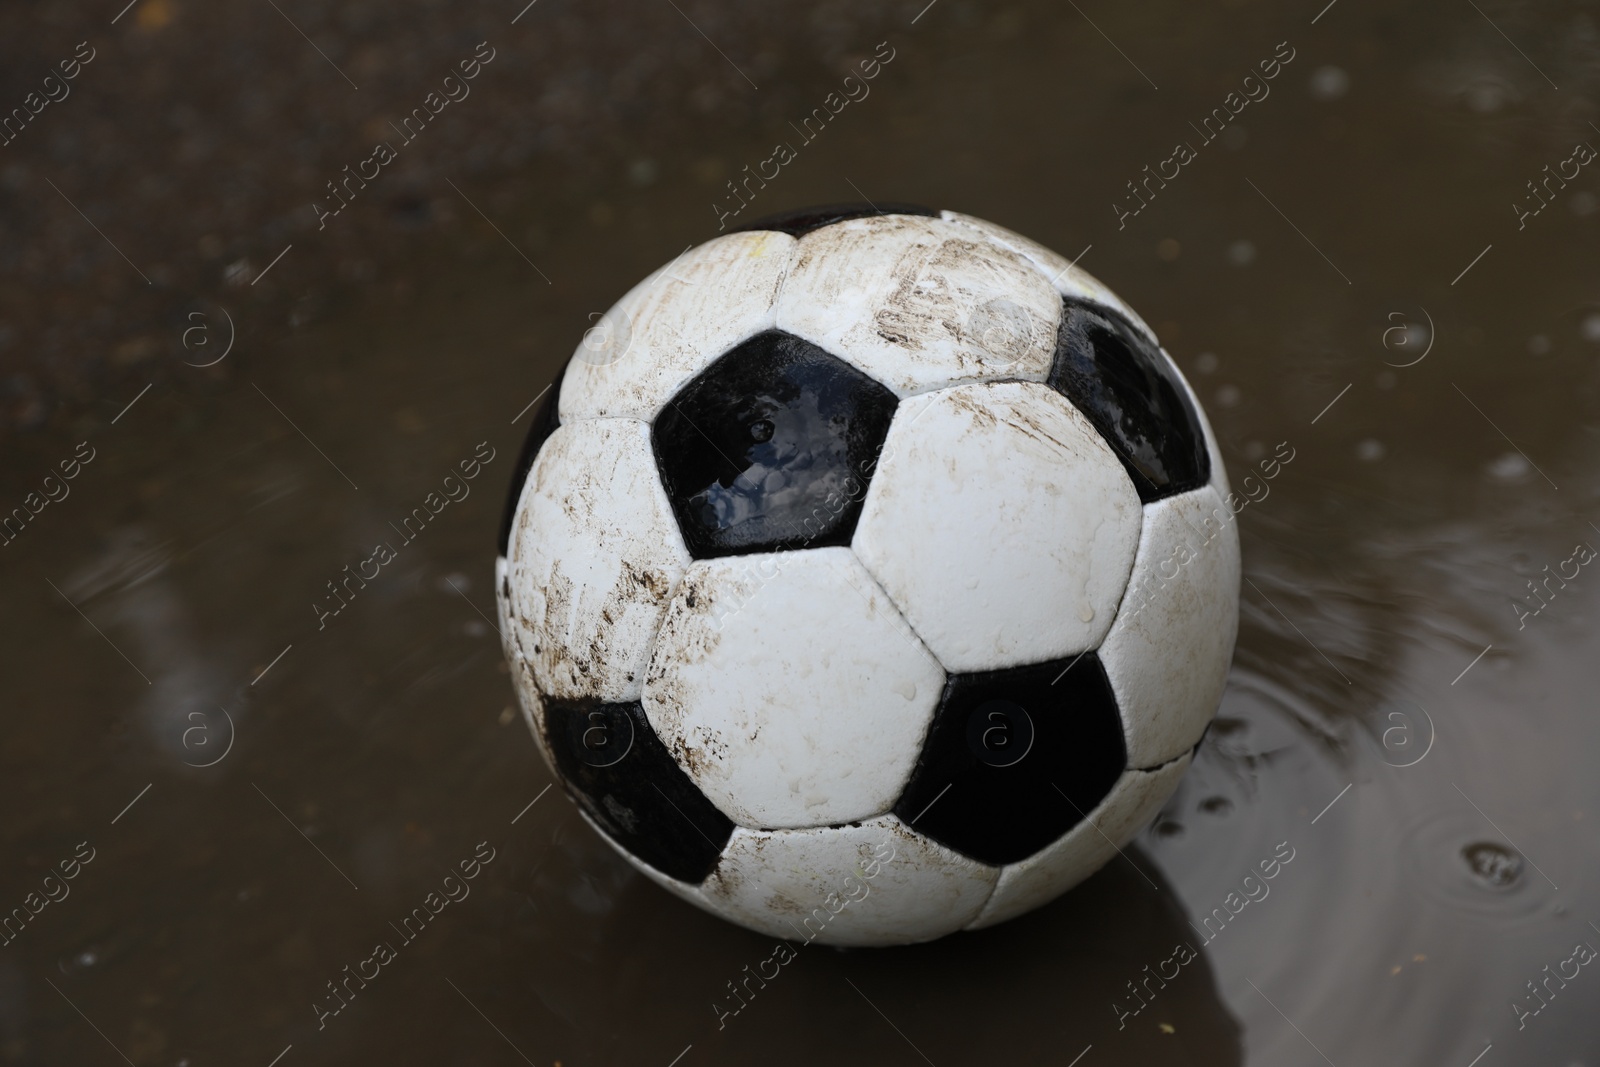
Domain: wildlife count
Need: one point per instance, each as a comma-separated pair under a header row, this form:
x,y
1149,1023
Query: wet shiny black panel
x,y
1115,376
626,781
771,447
801,221
546,420
1016,758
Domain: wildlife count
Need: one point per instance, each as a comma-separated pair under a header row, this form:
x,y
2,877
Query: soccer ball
x,y
868,575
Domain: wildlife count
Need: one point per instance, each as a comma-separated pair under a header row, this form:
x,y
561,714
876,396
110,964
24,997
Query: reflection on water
x,y
1421,747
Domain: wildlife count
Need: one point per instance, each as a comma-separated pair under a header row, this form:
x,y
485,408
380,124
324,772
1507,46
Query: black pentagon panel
x,y
1015,758
546,420
771,447
629,784
801,221
1114,375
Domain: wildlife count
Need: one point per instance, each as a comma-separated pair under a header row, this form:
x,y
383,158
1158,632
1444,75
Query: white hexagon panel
x,y
529,700
877,882
1167,653
979,523
920,302
1069,279
790,689
594,555
669,326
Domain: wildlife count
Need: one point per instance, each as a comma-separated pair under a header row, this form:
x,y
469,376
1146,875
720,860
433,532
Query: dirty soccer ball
x,y
869,575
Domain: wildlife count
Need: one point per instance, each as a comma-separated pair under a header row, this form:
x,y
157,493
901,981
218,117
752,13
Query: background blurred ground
x,y
201,133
